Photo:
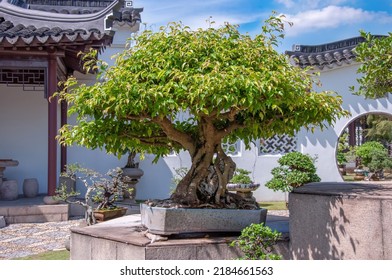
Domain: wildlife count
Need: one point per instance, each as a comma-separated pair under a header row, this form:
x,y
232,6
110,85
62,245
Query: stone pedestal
x,y
124,239
334,221
131,177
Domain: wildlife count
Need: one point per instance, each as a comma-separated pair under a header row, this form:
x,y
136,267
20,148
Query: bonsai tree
x,y
101,191
241,176
257,242
374,156
294,170
131,163
194,89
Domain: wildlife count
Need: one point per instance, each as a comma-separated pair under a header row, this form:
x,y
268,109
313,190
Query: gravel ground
x,y
21,240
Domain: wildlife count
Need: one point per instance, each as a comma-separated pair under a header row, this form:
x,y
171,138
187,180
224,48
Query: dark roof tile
x,y
326,55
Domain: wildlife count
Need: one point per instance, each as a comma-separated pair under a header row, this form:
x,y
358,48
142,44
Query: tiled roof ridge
x,y
74,3
125,14
326,56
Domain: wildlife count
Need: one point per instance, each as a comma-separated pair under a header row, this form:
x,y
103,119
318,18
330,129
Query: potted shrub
x,y
243,185
375,157
101,194
229,85
257,242
295,169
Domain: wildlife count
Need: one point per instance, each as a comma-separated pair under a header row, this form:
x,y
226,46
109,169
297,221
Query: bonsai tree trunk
x,y
205,183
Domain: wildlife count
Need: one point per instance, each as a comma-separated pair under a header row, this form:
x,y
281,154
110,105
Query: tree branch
x,y
185,140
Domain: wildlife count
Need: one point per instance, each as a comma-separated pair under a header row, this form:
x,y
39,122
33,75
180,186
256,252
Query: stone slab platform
x,y
35,213
123,239
34,210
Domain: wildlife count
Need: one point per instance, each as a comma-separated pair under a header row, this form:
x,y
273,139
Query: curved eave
x,y
62,39
323,60
326,56
35,17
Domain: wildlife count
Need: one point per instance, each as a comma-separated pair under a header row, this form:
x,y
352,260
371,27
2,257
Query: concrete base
x,y
333,221
123,239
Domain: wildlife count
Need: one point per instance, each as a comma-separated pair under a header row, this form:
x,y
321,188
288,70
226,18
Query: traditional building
x,y
40,42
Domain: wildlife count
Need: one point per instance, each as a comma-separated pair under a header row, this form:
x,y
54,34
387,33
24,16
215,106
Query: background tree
x,y
379,128
228,85
375,54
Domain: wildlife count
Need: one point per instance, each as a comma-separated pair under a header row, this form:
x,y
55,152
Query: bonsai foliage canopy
x,y
193,89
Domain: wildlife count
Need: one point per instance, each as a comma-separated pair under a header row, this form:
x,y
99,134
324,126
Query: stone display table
x,y
341,221
6,163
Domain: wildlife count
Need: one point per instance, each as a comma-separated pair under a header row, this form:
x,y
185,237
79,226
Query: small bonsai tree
x,y
131,155
232,86
295,169
101,191
256,242
241,176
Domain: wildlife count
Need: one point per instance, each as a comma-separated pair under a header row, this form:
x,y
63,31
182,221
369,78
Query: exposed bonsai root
x,y
228,201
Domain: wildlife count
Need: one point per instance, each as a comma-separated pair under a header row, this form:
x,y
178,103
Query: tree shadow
x,y
335,221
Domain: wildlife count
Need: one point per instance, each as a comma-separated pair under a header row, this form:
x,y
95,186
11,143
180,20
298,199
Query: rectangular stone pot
x,y
104,215
167,221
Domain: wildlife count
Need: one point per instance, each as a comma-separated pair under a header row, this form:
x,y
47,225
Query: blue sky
x,y
315,21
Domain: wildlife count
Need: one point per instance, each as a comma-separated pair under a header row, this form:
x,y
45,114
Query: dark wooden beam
x,y
52,125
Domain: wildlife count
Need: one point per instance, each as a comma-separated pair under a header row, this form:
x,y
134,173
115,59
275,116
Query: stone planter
x,y
342,169
359,174
9,190
167,221
30,187
243,190
104,215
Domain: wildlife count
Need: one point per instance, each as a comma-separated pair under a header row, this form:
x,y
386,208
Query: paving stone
x,y
20,240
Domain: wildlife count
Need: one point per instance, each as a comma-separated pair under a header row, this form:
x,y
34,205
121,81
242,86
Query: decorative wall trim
x,y
29,79
277,145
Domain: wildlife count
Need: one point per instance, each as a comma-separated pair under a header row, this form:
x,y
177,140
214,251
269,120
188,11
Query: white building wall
x,y
24,134
323,144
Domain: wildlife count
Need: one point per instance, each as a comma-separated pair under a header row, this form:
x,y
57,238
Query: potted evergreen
x,y
295,169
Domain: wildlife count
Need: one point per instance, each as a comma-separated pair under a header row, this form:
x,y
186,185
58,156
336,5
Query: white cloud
x,y
301,5
287,3
330,17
